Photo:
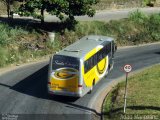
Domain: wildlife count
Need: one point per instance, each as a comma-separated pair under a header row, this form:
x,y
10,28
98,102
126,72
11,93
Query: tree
x,y
34,8
150,3
7,3
63,9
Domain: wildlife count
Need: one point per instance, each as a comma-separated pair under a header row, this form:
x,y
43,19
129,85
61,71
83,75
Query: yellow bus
x,y
77,68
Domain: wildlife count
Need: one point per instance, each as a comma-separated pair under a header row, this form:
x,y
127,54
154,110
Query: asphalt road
x,y
108,15
105,15
23,91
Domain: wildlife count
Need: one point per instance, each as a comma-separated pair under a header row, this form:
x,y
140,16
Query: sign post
x,y
127,68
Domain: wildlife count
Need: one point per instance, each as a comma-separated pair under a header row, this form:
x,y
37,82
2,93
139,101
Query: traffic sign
x,y
127,68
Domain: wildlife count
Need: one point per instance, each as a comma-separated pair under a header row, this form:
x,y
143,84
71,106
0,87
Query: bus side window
x,y
98,56
104,52
86,66
101,55
112,47
107,49
94,60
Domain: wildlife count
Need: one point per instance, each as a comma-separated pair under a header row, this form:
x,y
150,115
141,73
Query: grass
x,y
22,43
143,95
19,45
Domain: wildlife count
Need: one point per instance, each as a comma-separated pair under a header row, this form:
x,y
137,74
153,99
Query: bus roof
x,y
81,47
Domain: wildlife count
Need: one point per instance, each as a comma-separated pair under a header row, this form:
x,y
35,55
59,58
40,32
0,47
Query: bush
x,y
154,27
10,35
149,3
147,27
138,17
15,41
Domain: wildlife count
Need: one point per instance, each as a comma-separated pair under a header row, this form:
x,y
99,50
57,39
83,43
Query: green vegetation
x,y
20,44
143,95
65,10
138,29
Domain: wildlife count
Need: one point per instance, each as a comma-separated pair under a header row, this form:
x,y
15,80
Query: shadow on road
x,y
157,53
30,24
36,85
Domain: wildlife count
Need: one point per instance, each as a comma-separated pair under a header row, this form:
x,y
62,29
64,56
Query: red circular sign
x,y
127,68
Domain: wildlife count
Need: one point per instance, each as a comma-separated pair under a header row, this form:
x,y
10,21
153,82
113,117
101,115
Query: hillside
x,y
102,5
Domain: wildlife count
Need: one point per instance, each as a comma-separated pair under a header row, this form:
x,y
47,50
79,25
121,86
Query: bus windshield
x,y
60,61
